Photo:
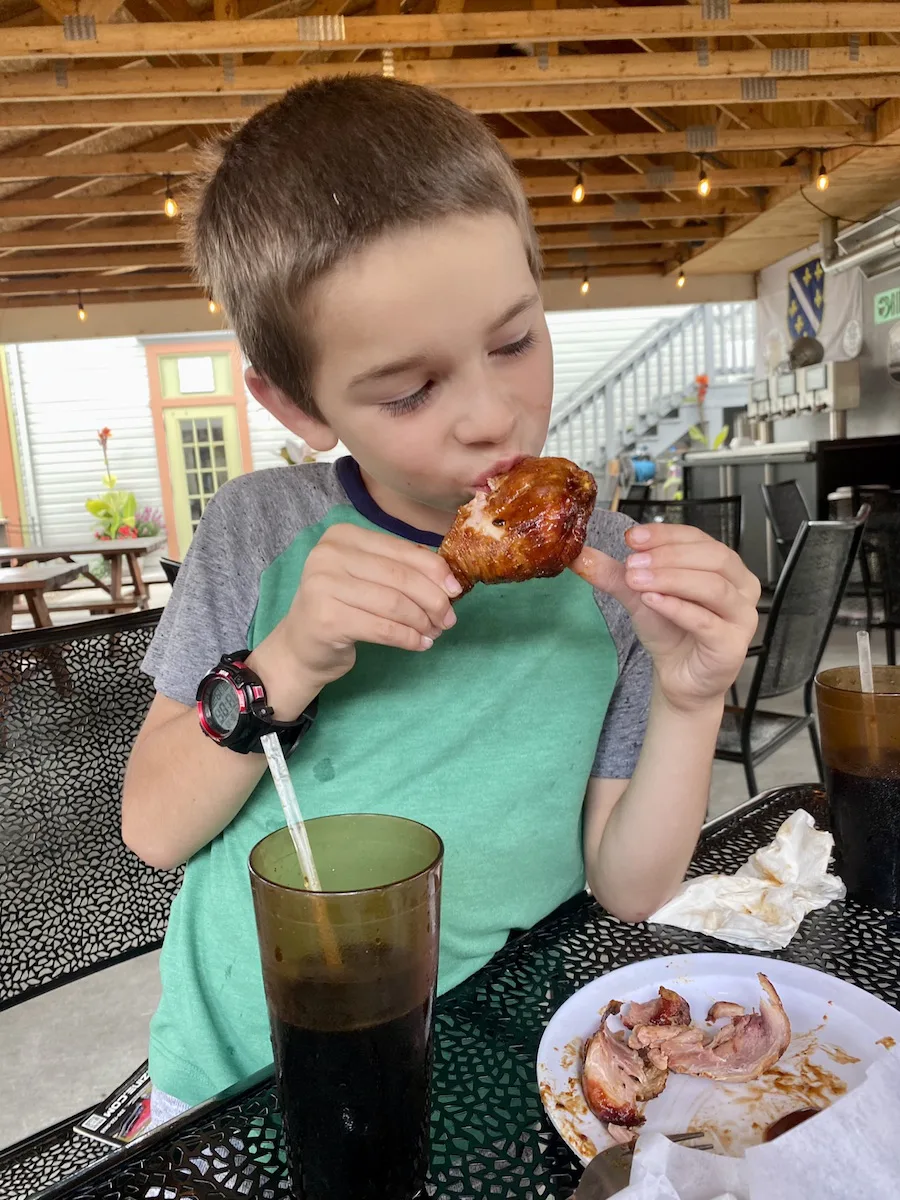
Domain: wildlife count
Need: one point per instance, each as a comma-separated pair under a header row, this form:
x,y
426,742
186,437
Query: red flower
x,y
126,531
102,537
104,435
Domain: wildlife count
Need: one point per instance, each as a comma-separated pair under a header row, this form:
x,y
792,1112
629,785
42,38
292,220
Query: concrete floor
x,y
88,1036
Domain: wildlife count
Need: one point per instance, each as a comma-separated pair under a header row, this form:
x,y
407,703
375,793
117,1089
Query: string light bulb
x,y
213,307
578,192
82,315
585,286
170,208
822,180
680,281
704,187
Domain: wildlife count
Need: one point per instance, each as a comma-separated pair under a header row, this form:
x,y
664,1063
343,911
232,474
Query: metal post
x,y
837,425
709,344
771,549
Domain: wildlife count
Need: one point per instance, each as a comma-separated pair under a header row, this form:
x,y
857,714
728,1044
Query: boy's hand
x,y
357,586
692,603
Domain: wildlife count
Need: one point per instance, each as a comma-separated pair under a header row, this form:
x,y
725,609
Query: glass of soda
x,y
350,975
860,734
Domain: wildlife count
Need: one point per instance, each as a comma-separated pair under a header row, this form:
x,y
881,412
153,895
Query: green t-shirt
x,y
489,738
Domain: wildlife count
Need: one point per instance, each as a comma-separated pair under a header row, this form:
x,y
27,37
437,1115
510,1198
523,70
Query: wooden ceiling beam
x,y
148,203
92,283
448,29
112,260
605,273
604,258
14,167
590,214
63,84
595,215
577,98
105,296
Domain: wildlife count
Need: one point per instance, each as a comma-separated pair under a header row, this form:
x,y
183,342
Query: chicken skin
x,y
530,524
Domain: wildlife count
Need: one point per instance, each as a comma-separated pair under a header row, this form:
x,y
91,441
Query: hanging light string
x,y
585,284
170,208
578,191
82,315
704,187
822,180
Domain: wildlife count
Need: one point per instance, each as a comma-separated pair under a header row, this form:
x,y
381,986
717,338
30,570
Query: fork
x,y
609,1172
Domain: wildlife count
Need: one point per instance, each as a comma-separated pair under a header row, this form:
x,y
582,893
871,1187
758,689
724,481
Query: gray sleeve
x,y
626,717
246,525
211,606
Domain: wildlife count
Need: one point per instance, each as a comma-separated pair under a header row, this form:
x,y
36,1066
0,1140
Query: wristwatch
x,y
234,710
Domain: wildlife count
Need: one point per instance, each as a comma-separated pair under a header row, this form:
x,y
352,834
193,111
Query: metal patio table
x,y
491,1137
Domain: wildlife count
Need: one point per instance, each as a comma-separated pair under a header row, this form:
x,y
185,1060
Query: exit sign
x,y
887,306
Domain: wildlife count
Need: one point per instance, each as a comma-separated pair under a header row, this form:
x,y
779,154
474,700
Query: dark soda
x,y
355,1100
864,810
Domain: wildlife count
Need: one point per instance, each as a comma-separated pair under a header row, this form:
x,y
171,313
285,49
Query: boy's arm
x,y
639,834
692,604
181,789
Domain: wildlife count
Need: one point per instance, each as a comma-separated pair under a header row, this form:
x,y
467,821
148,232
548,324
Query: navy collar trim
x,y
350,478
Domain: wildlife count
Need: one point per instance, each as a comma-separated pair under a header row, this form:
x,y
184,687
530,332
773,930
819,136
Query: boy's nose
x,y
489,416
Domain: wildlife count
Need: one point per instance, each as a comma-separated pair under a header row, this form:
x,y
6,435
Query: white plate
x,y
838,1031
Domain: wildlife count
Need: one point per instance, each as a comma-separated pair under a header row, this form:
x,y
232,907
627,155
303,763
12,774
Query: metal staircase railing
x,y
648,382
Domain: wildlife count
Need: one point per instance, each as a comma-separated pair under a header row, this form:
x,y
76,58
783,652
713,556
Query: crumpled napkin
x,y
761,906
849,1149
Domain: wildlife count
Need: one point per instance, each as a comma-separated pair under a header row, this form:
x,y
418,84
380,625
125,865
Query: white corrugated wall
x,y
70,391
586,339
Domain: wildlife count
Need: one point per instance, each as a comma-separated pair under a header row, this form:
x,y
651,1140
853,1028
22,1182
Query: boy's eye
x,y
513,349
408,404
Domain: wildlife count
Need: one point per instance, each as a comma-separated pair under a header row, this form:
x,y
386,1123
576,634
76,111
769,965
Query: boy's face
x,y
434,365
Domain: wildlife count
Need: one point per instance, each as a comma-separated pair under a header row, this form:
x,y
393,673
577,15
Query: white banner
x,y
795,298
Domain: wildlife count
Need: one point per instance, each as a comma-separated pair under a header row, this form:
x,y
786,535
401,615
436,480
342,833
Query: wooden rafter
x,y
449,74
577,98
459,29
521,149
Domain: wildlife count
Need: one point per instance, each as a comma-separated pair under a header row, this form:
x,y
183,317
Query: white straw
x,y
866,676
288,797
297,829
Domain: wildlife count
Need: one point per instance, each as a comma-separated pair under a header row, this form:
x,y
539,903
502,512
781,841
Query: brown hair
x,y
307,181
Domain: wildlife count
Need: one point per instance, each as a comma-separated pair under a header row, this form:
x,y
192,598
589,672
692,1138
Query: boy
x,y
375,253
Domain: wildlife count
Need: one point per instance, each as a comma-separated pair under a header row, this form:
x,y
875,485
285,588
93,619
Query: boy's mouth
x,y
485,482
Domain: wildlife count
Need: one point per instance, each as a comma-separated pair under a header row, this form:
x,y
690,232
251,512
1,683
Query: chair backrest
x,y
881,553
170,569
806,601
73,898
638,491
720,516
786,510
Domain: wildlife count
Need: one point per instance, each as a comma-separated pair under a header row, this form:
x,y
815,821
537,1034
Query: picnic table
x,y
32,582
117,552
490,1135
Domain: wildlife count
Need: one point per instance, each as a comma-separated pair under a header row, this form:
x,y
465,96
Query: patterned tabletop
x,y
490,1135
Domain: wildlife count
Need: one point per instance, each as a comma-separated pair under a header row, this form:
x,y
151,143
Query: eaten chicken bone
x,y
529,523
743,1049
620,1072
667,1009
616,1078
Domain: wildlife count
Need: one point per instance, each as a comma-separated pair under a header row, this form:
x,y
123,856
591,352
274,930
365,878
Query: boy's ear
x,y
313,430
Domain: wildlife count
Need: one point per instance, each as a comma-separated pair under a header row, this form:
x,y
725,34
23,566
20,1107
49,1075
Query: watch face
x,y
222,706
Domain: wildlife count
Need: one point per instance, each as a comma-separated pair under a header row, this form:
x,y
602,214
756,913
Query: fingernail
x,y
651,597
637,560
639,536
452,586
450,619
640,577
426,643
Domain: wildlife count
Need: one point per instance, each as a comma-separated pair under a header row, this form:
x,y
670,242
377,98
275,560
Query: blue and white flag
x,y
806,299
